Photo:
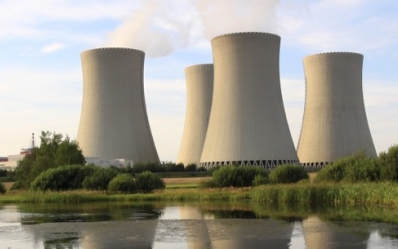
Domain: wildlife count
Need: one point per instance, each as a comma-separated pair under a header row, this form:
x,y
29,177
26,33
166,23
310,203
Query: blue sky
x,y
41,42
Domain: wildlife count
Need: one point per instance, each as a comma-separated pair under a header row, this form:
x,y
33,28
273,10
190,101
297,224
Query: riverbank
x,y
385,194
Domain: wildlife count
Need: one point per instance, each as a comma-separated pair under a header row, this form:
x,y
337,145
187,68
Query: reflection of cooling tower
x,y
334,123
319,234
114,122
242,234
199,95
247,123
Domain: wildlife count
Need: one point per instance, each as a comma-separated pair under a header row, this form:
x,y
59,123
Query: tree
x,y
54,151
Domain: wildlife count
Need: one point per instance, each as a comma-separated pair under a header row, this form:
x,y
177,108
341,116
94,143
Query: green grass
x,y
385,194
182,186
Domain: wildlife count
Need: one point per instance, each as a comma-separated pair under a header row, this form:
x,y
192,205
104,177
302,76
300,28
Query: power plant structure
x,y
247,124
114,122
199,82
334,121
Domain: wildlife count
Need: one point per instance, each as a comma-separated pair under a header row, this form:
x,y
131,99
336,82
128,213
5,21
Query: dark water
x,y
195,226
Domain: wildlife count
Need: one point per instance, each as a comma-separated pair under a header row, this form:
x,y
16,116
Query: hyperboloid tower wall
x,y
199,82
248,124
114,122
334,122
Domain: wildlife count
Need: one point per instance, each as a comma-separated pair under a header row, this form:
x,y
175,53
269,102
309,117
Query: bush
x,y
122,183
236,176
2,188
147,182
100,179
260,180
63,178
355,168
152,167
388,162
3,173
287,174
172,167
190,167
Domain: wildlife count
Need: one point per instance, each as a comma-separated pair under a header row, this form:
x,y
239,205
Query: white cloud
x,y
55,46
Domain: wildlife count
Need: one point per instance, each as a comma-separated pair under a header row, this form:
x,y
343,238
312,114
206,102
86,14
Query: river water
x,y
195,226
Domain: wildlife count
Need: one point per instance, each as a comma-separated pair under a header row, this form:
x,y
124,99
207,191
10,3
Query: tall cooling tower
x,y
334,122
114,122
199,81
247,123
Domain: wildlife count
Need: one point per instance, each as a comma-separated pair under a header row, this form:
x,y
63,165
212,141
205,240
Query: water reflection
x,y
190,226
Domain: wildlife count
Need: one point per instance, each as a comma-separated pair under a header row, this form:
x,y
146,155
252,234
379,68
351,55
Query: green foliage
x,y
172,167
3,172
163,167
201,169
287,174
99,179
63,178
236,176
54,151
122,183
355,168
260,180
190,167
147,182
152,167
388,162
2,188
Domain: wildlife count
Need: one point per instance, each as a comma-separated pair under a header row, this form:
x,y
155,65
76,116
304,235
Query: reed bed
x,y
384,193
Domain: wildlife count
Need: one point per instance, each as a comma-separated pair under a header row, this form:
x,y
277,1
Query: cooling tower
x,y
247,124
199,81
114,122
334,122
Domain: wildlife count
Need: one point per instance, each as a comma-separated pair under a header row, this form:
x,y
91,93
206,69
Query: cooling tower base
x,y
314,165
268,164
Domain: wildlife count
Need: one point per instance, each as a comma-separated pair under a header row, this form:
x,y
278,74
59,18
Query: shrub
x,y
355,168
172,167
287,174
63,178
201,169
100,179
2,188
190,167
122,183
3,172
147,182
152,167
388,162
260,180
236,176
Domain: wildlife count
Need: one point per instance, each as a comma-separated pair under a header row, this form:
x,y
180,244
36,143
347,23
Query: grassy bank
x,y
331,193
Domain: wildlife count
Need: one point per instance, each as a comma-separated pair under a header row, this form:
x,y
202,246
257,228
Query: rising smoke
x,y
159,27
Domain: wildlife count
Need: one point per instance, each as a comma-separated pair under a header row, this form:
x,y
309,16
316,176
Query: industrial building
x,y
199,85
247,124
114,122
334,123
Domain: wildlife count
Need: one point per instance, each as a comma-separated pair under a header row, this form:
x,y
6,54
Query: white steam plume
x,y
159,27
229,16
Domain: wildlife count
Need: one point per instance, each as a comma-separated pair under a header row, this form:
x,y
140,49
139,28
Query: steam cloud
x,y
159,27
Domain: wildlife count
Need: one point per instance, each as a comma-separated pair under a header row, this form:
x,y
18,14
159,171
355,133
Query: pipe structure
x,y
199,81
114,122
247,124
334,121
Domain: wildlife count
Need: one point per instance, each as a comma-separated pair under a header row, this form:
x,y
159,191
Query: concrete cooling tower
x,y
114,122
199,81
247,124
334,122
